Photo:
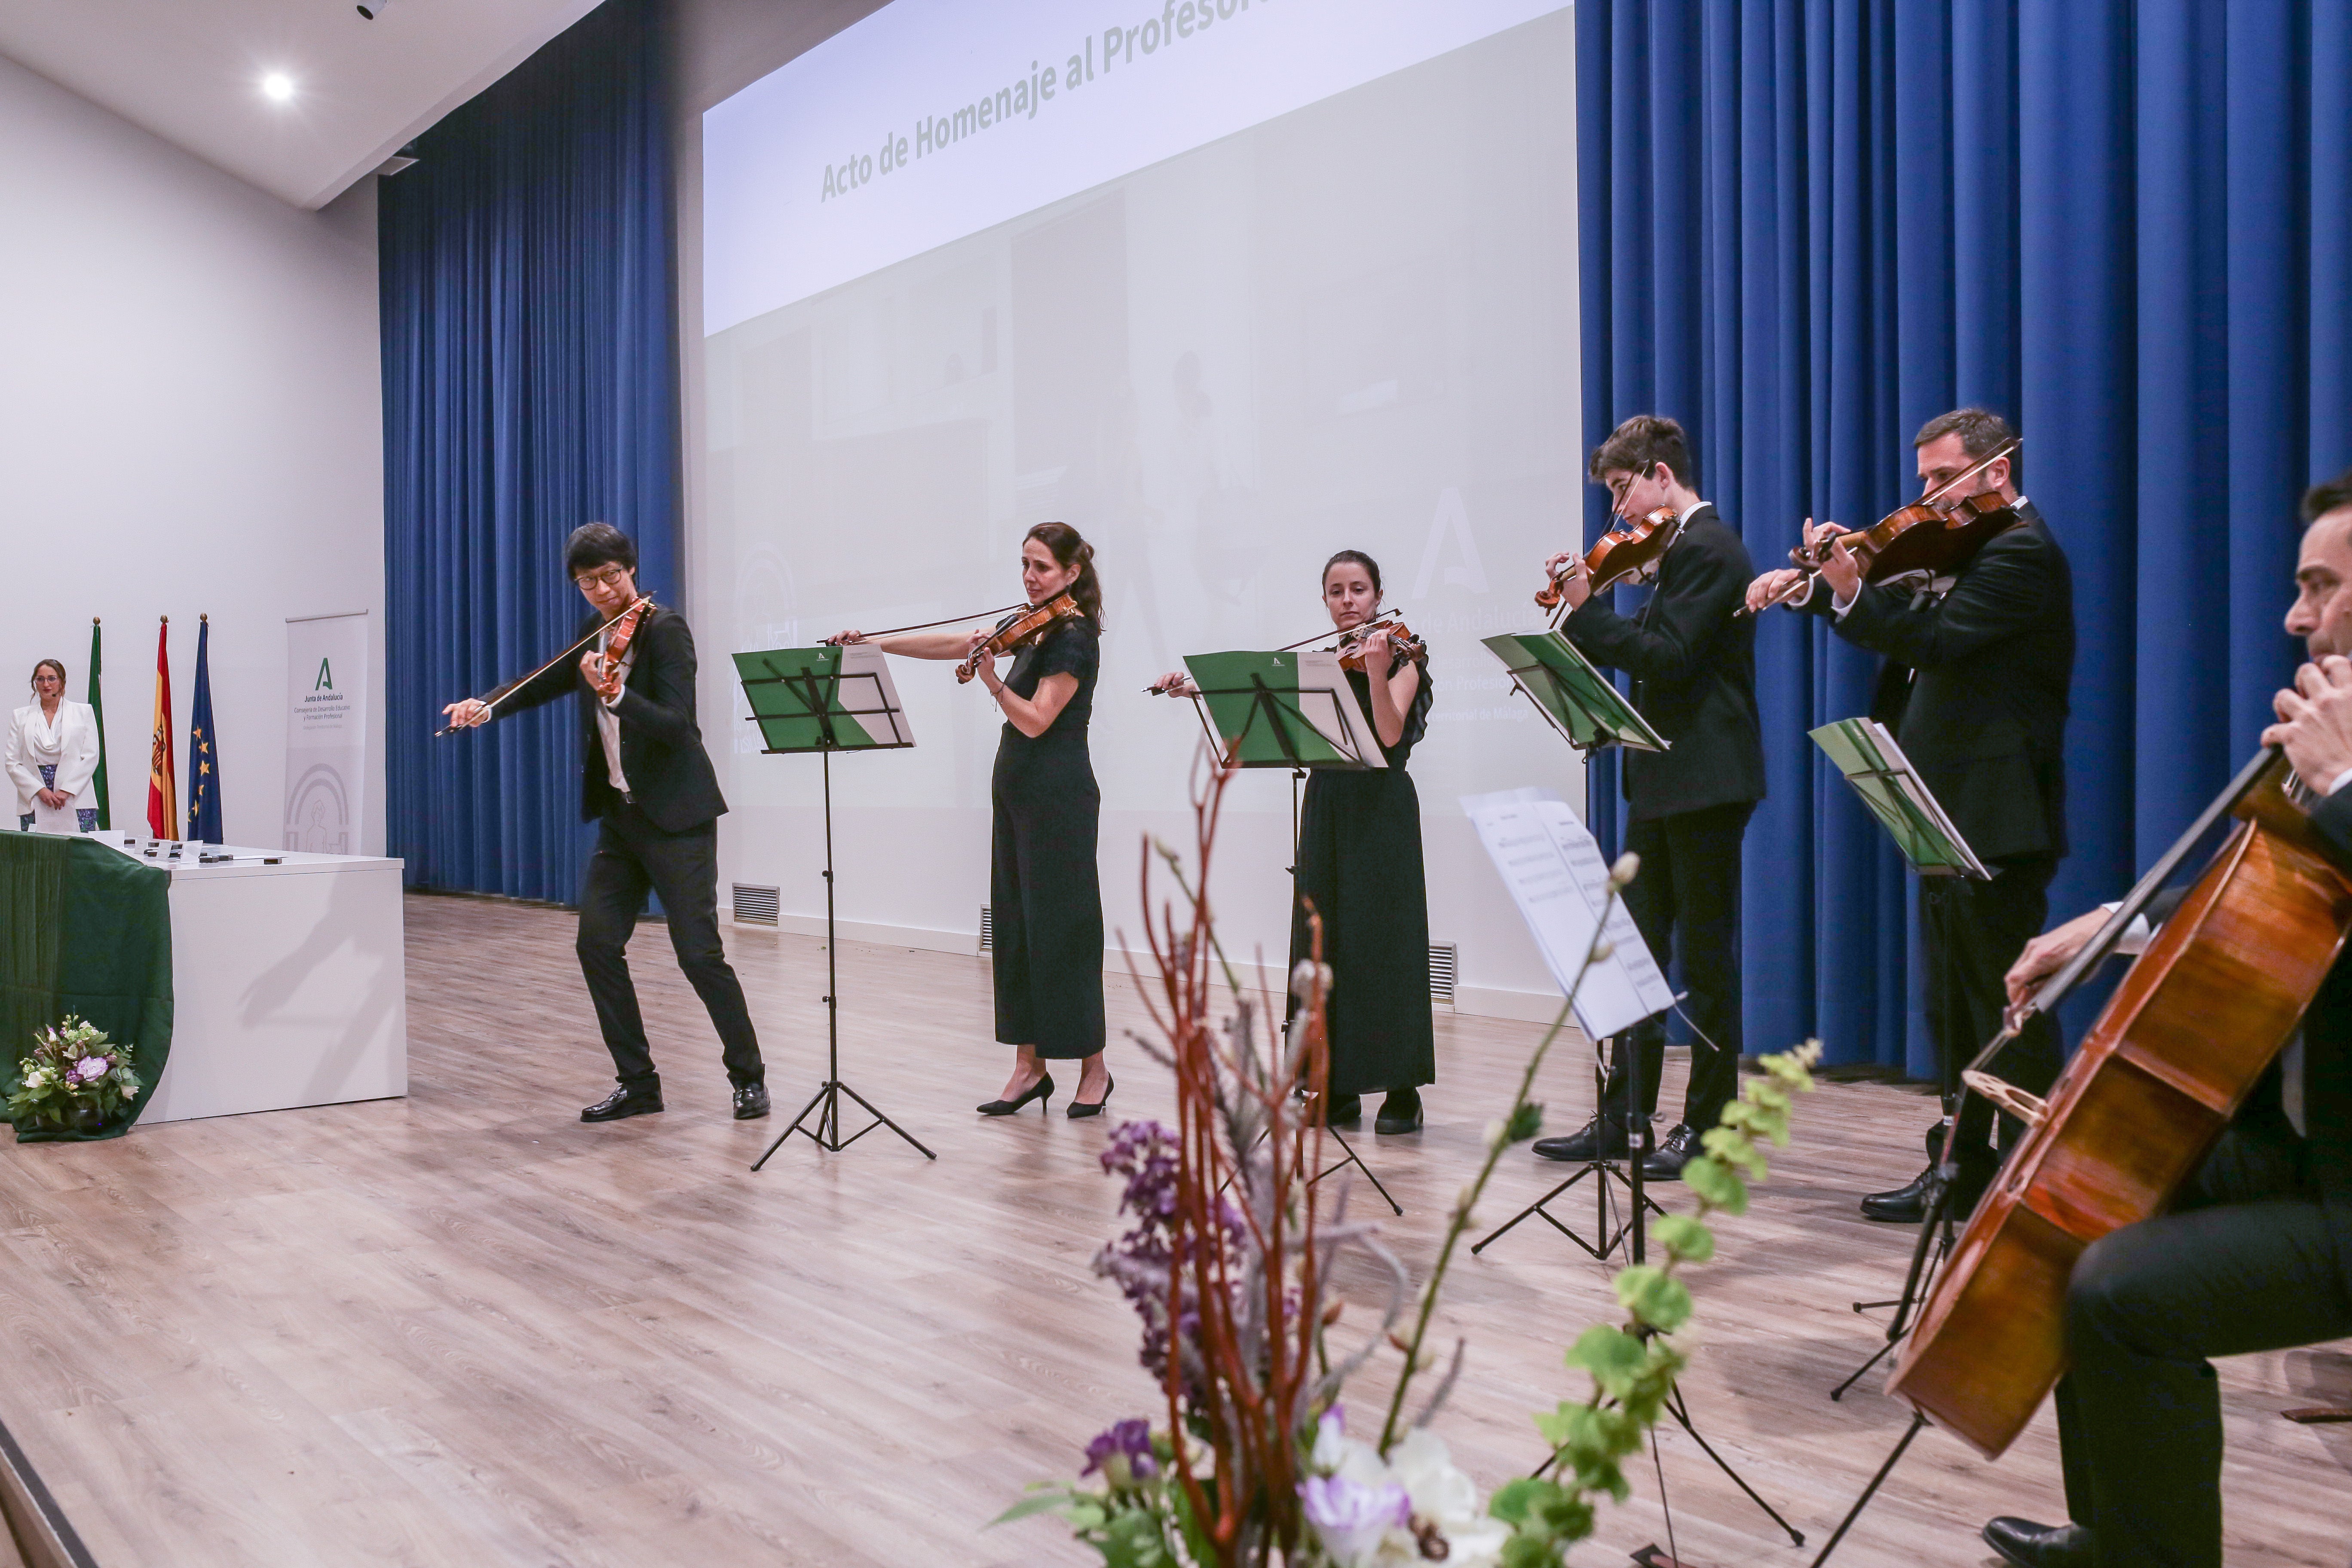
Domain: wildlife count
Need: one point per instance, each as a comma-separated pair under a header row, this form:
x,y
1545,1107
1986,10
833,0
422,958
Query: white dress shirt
x,y
608,723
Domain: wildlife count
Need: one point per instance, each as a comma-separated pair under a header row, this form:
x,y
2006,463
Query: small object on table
x,y
2318,1415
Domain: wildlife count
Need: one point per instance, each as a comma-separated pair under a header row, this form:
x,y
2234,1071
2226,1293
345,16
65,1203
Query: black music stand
x,y
1292,710
1592,715
810,699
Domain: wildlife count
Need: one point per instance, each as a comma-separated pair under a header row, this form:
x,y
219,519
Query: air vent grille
x,y
1443,957
755,906
987,928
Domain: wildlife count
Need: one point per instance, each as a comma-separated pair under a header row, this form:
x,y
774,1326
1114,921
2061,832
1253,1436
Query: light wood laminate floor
x,y
466,1328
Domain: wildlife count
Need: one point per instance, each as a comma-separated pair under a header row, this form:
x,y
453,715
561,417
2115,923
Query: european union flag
x,y
203,756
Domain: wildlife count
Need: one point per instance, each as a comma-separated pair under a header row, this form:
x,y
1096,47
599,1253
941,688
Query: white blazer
x,y
72,745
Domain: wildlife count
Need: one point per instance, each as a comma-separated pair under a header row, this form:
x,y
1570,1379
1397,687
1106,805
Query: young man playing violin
x,y
646,777
1975,688
2256,1253
1693,660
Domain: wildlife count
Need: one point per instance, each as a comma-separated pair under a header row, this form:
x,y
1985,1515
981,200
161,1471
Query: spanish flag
x,y
162,791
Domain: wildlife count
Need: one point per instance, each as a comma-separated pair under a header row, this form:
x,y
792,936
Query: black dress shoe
x,y
1400,1112
624,1103
1666,1163
1041,1089
1907,1204
750,1101
1603,1138
1079,1108
1344,1110
2031,1545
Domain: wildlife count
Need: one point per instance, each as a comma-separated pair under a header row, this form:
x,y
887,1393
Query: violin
x,y
1626,551
617,636
1020,630
1927,537
632,615
1403,645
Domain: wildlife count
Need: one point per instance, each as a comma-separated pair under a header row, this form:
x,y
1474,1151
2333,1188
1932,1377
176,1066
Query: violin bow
x,y
946,621
2005,450
1375,624
492,698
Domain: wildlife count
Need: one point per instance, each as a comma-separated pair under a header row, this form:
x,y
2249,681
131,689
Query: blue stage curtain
x,y
1810,225
530,385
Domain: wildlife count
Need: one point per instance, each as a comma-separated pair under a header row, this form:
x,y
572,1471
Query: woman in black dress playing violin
x,y
1044,897
1359,867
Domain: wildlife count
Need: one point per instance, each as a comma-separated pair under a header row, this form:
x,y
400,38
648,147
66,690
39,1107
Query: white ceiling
x,y
191,71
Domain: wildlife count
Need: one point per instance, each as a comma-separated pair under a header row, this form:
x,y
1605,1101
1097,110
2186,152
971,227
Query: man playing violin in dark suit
x,y
2256,1254
1693,660
1974,688
646,777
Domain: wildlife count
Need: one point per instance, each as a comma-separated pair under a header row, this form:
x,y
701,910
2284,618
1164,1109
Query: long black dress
x,y
1044,894
1360,861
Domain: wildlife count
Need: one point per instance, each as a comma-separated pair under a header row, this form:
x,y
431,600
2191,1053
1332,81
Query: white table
x,y
288,981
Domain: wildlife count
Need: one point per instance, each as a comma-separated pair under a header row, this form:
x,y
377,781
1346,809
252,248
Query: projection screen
x,y
1227,286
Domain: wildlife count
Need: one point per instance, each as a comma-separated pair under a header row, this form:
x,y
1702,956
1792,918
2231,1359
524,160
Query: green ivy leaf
x,y
1684,1236
1611,1356
1041,1499
1715,1185
1655,1298
1525,1122
1531,1551
1517,1502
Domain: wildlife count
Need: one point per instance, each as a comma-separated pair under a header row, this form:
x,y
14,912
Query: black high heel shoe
x,y
1041,1089
1078,1108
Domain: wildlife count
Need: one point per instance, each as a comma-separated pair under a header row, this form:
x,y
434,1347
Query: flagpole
x,y
98,716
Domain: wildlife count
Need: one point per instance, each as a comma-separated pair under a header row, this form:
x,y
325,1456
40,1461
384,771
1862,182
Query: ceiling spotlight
x,y
372,9
278,87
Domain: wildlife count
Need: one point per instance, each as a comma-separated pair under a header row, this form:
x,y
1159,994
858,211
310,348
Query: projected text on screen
x,y
932,119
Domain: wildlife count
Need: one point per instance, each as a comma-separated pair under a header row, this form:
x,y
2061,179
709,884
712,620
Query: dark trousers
x,y
1688,891
1972,933
632,856
2245,1262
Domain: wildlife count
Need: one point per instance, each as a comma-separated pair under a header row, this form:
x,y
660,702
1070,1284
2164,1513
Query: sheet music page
x,y
1558,878
867,692
1319,672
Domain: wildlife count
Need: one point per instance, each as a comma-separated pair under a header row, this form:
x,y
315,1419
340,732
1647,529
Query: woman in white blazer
x,y
53,755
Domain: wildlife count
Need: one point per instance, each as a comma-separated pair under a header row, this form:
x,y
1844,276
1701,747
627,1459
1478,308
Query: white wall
x,y
190,423
913,866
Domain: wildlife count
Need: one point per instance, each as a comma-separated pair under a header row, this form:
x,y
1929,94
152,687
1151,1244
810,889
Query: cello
x,y
2179,1046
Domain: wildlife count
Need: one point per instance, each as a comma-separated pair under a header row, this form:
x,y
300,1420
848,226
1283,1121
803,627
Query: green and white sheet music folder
x,y
1569,693
824,698
1285,709
1879,772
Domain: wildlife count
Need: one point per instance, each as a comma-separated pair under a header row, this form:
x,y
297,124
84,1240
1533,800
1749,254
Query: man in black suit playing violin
x,y
1693,660
644,776
2256,1253
1974,688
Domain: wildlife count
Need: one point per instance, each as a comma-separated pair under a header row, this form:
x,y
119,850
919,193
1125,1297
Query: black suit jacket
x,y
1975,687
1694,669
670,773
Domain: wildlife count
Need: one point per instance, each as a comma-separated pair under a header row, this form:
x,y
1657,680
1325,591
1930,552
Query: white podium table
x,y
288,981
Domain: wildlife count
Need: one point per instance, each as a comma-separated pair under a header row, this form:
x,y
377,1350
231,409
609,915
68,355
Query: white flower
x,y
1437,1493
39,1078
1309,977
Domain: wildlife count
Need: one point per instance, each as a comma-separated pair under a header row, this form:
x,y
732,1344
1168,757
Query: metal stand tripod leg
x,y
1935,1227
1639,1203
827,1134
1871,1490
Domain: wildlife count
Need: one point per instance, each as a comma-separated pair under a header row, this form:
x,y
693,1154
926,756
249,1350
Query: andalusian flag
x,y
204,763
163,789
98,712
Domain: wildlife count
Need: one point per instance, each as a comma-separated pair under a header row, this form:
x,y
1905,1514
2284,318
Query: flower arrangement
x,y
1226,1263
74,1078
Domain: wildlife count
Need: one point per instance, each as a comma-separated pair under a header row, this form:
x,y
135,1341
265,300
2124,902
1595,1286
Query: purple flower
x,y
1350,1517
1142,1260
1123,1454
89,1069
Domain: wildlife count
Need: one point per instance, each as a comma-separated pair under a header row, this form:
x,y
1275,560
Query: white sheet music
x,y
1557,876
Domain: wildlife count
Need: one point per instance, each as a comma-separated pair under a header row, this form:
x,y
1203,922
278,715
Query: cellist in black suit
x,y
2256,1253
1975,690
1693,660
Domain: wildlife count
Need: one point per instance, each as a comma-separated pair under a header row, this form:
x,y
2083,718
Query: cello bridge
x,y
2030,1108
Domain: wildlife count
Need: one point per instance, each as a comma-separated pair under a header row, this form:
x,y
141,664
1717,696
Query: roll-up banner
x,y
326,721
